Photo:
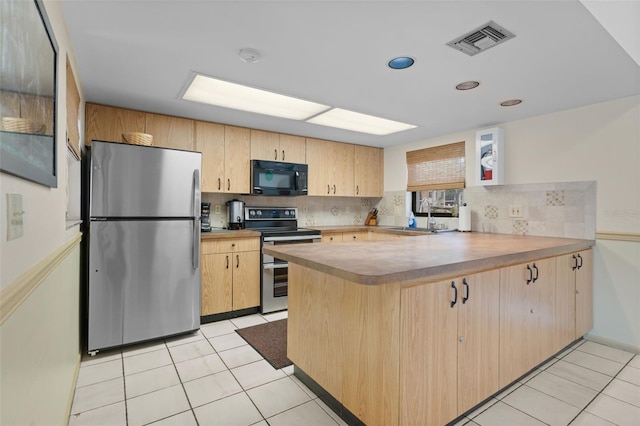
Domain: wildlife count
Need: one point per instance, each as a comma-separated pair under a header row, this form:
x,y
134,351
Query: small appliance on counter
x,y
235,214
205,217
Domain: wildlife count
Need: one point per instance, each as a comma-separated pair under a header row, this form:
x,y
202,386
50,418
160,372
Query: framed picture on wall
x,y
28,93
490,156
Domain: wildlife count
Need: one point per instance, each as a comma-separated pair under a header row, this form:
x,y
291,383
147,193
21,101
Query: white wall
x,y
45,208
599,143
41,337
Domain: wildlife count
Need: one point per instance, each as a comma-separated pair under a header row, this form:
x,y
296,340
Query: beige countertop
x,y
227,233
434,256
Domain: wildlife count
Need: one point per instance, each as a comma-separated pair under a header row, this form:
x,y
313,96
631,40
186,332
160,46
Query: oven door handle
x,y
293,238
275,265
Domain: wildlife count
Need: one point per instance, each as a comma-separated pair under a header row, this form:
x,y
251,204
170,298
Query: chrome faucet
x,y
431,223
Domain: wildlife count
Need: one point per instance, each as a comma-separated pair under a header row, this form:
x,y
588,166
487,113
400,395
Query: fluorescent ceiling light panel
x,y
349,120
236,96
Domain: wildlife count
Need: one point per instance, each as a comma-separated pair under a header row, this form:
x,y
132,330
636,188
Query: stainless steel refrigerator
x,y
144,243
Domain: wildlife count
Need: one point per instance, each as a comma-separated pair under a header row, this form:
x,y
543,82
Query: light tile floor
x,y
213,377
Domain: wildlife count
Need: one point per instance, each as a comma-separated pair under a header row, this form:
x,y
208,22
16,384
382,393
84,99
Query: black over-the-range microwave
x,y
278,178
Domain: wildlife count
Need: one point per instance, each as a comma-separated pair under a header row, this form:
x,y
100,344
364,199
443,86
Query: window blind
x,y
439,167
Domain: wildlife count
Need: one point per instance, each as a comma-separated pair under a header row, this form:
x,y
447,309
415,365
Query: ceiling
x,y
141,54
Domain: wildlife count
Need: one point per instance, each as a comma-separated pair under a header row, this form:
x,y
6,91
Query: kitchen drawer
x,y
228,245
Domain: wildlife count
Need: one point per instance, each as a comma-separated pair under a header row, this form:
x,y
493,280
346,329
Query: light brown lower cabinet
x,y
230,272
527,317
449,347
422,352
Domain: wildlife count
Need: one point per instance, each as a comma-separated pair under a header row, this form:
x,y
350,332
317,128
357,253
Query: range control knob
x,y
259,213
252,212
286,212
293,212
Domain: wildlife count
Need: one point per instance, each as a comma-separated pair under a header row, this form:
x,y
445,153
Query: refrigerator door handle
x,y
196,219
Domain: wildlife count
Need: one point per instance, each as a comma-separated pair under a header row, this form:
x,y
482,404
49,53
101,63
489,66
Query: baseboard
x,y
72,391
613,343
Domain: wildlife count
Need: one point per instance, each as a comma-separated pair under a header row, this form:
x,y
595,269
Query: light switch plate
x,y
14,216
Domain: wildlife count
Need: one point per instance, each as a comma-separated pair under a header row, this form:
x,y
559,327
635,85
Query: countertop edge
x,y
441,271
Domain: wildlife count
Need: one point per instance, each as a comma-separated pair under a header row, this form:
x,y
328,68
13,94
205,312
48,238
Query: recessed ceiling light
x,y
511,102
467,85
236,96
350,120
401,63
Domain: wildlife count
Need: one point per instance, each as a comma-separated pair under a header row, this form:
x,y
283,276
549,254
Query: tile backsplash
x,y
312,211
566,209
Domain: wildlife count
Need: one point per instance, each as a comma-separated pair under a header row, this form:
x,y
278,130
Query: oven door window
x,y
280,279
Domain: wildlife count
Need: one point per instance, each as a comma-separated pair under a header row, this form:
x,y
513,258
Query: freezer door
x,y
144,282
142,181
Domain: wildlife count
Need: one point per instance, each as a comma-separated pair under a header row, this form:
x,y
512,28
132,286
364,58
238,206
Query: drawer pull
x,y
580,259
466,297
537,273
530,278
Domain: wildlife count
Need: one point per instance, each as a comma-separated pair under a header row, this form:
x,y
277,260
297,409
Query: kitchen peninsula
x,y
419,330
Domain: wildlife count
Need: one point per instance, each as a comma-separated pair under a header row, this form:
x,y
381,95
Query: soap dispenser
x,y
412,221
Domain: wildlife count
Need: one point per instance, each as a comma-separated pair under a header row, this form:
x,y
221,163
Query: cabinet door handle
x,y
219,184
357,190
575,262
537,273
228,184
328,189
275,154
466,296
455,294
283,155
237,260
530,278
334,189
354,237
227,261
580,259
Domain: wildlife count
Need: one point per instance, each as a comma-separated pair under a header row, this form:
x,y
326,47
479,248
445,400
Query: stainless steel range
x,y
278,225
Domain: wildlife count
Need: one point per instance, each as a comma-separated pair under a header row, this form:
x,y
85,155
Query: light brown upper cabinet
x,y
105,123
237,150
225,157
170,132
210,142
331,168
277,147
368,171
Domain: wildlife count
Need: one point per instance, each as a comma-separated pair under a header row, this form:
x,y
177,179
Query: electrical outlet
x,y
217,209
515,211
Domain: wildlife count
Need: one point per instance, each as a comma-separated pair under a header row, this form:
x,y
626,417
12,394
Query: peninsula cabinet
x,y
277,147
527,317
331,168
574,295
225,157
449,347
368,171
230,271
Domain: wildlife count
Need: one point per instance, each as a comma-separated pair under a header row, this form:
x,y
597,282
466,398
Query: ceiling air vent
x,y
482,38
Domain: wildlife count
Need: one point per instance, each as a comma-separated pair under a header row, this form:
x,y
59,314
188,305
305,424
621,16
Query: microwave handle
x,y
297,181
